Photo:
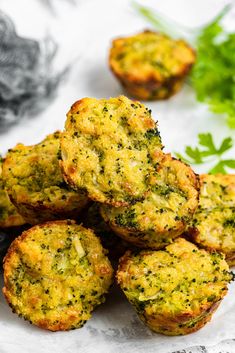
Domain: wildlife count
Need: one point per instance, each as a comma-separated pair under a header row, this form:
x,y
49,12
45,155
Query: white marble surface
x,y
84,29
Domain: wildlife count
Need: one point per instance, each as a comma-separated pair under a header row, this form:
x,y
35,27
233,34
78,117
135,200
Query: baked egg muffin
x,y
109,149
92,219
213,225
9,216
151,65
164,213
35,183
55,274
176,290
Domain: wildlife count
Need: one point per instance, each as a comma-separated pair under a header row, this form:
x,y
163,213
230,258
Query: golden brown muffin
x,y
213,225
92,219
164,213
151,65
174,291
217,190
9,216
55,274
35,183
109,148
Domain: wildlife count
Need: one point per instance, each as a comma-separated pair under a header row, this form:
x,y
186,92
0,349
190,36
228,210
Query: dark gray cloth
x,y
27,81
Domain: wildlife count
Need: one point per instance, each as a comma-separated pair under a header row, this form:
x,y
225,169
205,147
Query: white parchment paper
x,y
84,32
114,328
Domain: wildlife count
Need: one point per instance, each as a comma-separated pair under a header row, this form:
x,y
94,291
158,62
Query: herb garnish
x,y
213,76
208,152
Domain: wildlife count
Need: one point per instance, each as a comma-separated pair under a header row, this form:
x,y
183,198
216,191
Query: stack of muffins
x,y
107,170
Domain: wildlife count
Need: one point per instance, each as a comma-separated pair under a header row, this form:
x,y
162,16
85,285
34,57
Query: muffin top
x,y
34,180
213,223
150,56
166,209
110,148
214,229
217,190
181,279
55,274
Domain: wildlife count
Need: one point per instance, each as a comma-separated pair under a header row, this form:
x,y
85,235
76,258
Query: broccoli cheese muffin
x,y
174,291
164,213
55,274
9,216
92,219
35,184
151,65
213,225
217,190
109,148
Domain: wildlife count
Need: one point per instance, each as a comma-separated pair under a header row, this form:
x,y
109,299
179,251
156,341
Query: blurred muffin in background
x,y
151,65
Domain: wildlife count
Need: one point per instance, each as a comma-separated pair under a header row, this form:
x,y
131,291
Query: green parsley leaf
x,y
218,169
207,141
208,152
213,75
226,144
194,153
229,163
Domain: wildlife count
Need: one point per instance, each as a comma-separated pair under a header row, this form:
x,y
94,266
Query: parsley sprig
x,y
208,152
213,75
